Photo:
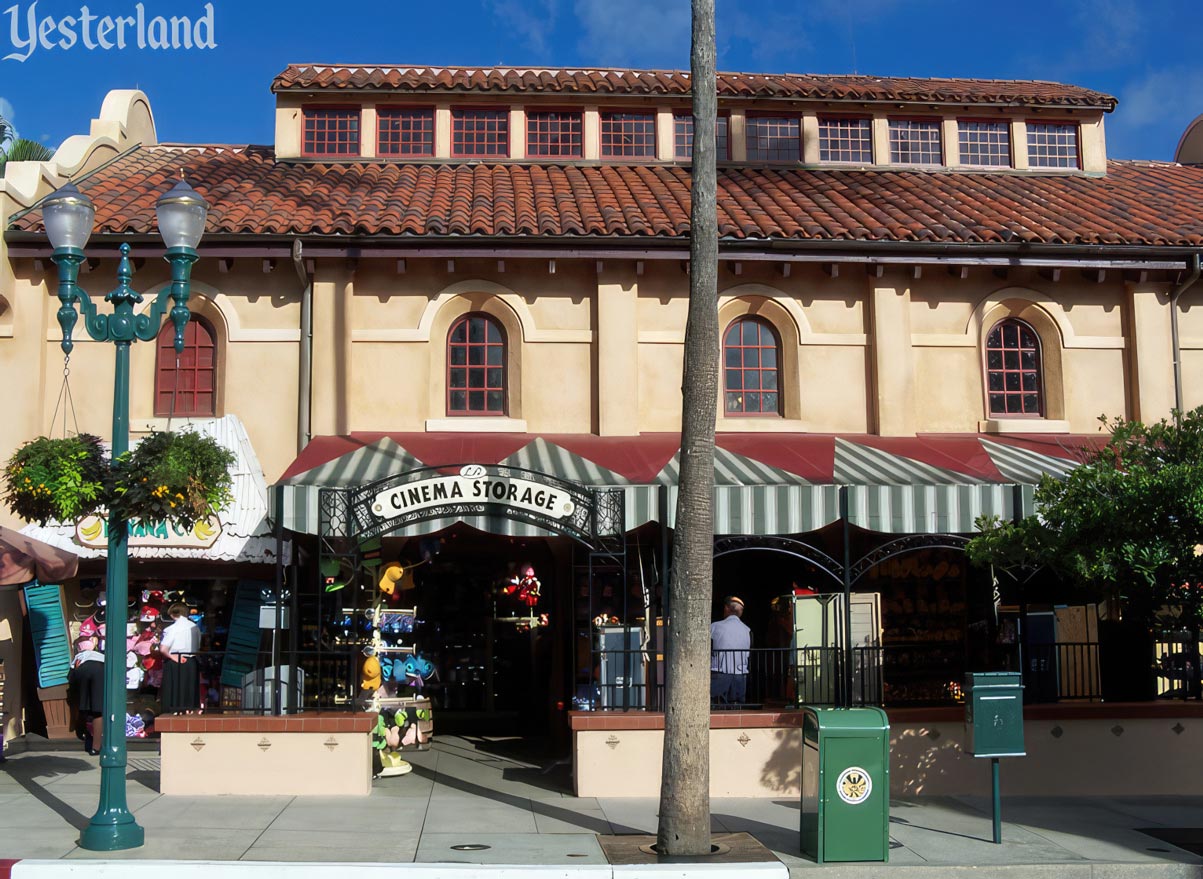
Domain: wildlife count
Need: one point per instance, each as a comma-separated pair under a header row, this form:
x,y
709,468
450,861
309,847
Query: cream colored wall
x,y
252,764
925,759
602,352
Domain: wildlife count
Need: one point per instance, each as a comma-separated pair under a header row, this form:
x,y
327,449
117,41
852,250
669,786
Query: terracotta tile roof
x,y
313,77
1136,203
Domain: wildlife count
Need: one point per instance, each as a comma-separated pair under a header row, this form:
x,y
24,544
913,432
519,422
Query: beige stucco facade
x,y
888,344
1065,758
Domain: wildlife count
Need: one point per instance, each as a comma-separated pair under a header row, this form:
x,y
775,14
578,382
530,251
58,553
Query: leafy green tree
x,y
22,150
1128,522
18,149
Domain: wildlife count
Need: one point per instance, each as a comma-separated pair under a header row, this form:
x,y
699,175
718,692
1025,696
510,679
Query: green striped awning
x,y
921,491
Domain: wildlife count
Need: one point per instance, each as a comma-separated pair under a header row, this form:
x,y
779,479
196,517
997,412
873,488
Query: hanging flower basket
x,y
56,479
183,477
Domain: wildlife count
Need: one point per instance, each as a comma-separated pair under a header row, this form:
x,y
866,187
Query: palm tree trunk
x,y
684,827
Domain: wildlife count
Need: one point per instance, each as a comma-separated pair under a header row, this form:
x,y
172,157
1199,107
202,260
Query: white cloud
x,y
634,32
1155,108
1109,32
529,21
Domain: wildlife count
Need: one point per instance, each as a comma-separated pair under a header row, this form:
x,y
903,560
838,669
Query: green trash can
x,y
845,784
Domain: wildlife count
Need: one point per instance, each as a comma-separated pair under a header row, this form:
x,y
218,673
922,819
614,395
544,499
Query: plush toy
x,y
135,726
372,678
392,764
390,577
392,737
149,613
528,587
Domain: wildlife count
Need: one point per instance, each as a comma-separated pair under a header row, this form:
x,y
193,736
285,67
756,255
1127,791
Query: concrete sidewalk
x,y
482,792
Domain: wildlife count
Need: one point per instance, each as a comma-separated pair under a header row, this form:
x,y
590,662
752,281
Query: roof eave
x,y
35,245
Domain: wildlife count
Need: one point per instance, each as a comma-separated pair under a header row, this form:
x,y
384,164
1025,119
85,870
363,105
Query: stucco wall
x,y
380,337
1161,757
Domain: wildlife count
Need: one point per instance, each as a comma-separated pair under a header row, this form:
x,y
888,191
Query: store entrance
x,y
490,639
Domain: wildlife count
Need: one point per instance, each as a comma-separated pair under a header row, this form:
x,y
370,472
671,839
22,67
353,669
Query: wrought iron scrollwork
x,y
334,514
786,545
597,515
902,546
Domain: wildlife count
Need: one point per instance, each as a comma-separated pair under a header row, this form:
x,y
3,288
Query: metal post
x,y
845,628
277,622
113,827
997,801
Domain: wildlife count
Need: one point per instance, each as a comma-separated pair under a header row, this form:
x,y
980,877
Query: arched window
x,y
476,367
194,384
1014,385
751,356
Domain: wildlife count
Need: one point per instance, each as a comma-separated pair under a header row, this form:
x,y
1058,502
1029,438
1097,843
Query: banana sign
x,y
93,531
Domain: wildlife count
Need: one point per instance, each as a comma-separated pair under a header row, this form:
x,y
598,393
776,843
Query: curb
x,y
112,869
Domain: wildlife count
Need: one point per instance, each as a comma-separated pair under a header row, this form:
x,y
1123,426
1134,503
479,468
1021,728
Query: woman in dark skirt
x,y
86,680
181,669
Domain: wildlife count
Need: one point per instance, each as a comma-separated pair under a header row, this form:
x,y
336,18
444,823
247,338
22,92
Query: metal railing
x,y
891,675
1061,671
322,681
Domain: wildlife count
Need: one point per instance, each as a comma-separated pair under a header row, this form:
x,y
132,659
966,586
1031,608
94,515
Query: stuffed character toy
x,y
528,587
392,574
371,674
391,764
392,737
135,726
88,628
149,613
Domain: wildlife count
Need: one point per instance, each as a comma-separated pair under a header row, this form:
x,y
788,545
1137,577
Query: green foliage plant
x,y
57,480
179,476
1127,522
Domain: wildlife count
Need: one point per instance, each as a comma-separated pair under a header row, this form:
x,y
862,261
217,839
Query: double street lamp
x,y
69,215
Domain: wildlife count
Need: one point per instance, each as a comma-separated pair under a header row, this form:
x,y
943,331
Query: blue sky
x,y
1142,51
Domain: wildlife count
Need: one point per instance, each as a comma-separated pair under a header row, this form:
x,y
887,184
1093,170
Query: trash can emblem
x,y
854,785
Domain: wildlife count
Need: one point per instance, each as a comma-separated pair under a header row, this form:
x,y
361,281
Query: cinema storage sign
x,y
479,494
473,484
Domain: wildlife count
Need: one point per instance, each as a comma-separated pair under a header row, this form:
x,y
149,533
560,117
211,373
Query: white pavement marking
x,y
99,869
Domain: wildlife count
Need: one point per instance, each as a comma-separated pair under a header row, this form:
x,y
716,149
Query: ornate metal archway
x,y
724,546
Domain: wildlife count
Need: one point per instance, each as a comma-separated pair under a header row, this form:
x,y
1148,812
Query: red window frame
x,y
316,121
540,137
914,146
962,153
683,136
196,389
407,132
750,124
493,137
1045,123
479,369
1014,371
867,158
627,134
745,372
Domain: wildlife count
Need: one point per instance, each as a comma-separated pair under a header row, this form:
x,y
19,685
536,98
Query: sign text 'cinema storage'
x,y
473,485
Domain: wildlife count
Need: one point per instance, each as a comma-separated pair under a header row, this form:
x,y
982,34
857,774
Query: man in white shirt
x,y
730,641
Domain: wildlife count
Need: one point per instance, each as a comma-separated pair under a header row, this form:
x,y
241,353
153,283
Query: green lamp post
x,y
68,215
